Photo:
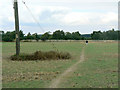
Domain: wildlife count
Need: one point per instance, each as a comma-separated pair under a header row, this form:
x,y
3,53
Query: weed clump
x,y
39,55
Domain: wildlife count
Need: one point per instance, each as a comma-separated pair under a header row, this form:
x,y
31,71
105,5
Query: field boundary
x,y
70,41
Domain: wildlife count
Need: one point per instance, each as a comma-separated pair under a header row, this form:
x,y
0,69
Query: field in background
x,y
100,68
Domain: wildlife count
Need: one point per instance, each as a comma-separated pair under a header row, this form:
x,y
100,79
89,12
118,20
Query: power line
x,y
36,19
33,16
53,45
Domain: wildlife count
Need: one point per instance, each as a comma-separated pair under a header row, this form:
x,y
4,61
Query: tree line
x,y
108,35
61,35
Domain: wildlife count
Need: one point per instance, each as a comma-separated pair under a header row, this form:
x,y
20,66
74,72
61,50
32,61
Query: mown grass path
x,y
55,83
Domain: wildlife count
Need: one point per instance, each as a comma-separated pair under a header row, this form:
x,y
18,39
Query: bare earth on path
x,y
55,83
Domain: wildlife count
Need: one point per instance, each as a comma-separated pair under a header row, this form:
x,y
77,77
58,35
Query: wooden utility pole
x,y
17,27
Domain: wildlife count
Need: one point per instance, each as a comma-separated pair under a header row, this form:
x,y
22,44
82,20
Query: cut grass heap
x,y
39,55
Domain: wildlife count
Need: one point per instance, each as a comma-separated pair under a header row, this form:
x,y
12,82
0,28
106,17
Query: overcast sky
x,y
84,16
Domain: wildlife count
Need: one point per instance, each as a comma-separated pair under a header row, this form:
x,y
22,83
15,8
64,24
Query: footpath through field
x,y
55,83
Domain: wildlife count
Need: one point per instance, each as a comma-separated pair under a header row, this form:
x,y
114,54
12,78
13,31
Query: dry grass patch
x,y
39,55
30,76
111,55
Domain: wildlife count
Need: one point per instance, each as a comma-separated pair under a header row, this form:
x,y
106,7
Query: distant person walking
x,y
86,42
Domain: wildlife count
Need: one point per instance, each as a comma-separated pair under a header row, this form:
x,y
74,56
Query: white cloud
x,y
62,12
85,18
0,20
76,18
109,17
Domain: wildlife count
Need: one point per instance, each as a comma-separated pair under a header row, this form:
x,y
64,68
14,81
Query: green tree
x,y
59,35
106,35
36,37
8,36
45,36
29,36
68,36
1,35
21,35
96,35
76,35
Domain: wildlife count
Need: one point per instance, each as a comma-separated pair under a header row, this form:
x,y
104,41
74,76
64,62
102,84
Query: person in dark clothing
x,y
86,42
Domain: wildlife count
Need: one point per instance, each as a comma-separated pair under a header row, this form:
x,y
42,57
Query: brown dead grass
x,y
115,55
39,55
30,76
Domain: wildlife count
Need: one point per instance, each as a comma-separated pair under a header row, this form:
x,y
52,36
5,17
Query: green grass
x,y
14,67
98,70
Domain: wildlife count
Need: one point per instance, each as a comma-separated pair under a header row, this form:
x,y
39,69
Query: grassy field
x,y
99,69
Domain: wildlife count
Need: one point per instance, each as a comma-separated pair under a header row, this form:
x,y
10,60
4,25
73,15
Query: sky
x,y
84,16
